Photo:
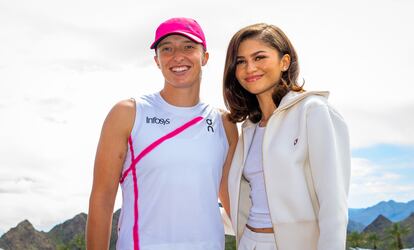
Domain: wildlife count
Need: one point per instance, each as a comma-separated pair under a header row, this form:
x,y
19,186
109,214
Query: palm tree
x,y
372,239
396,232
355,239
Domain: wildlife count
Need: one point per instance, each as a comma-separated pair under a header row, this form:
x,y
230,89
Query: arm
x,y
110,155
329,159
232,137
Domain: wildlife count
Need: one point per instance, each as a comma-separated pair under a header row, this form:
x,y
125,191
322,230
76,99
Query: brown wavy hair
x,y
241,103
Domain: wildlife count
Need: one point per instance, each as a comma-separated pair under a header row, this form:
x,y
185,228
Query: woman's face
x,y
180,60
259,66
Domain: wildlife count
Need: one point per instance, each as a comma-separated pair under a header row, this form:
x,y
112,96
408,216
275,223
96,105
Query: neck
x,y
181,97
267,106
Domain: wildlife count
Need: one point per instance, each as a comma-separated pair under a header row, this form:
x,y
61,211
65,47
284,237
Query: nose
x,y
250,67
178,55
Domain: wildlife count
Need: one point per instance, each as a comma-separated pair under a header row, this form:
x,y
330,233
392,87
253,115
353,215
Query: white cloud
x,y
380,124
372,183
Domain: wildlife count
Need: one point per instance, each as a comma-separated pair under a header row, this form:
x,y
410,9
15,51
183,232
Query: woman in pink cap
x,y
289,179
167,151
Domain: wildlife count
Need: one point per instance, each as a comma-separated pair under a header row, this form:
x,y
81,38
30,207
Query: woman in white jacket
x,y
289,179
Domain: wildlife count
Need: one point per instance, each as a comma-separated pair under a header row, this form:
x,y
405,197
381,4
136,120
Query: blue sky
x,y
391,156
64,64
387,169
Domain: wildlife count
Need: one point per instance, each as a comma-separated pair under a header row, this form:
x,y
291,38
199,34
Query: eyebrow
x,y
253,54
163,43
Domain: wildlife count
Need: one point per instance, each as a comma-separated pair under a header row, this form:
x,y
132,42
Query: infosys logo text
x,y
156,120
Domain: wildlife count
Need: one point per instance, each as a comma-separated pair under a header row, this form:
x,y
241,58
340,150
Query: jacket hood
x,y
290,99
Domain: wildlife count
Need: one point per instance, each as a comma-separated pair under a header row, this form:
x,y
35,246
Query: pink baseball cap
x,y
181,26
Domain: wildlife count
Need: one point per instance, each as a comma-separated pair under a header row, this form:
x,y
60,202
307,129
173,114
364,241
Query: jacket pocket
x,y
297,236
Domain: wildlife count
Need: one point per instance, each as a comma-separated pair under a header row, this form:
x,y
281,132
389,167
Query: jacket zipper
x,y
264,177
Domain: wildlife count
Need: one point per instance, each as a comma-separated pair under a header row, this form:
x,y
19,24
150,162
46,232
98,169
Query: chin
x,y
254,91
182,85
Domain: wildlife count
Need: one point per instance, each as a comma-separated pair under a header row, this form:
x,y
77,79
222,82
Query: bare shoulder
x,y
124,107
230,127
122,116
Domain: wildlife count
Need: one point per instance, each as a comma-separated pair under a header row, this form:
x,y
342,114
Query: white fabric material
x,y
304,131
257,241
259,216
178,182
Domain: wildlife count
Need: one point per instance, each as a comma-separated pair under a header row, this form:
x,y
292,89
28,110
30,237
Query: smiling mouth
x,y
253,78
180,69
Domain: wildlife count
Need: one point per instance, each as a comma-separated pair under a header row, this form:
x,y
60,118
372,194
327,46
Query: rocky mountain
x,y
25,236
68,235
378,226
394,211
68,230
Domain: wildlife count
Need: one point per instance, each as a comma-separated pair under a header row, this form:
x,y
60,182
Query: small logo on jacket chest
x,y
295,141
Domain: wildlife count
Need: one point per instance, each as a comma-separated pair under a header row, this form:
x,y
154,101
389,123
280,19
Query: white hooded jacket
x,y
303,132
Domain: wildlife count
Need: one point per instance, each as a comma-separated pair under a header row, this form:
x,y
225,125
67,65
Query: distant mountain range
x,y
360,218
70,234
394,211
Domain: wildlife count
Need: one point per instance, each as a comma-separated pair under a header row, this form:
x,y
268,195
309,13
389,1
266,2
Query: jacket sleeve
x,y
329,159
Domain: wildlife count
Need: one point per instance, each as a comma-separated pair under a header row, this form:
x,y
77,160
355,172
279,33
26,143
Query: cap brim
x,y
188,35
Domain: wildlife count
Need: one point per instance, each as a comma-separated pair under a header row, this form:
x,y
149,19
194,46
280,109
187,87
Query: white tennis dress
x,y
171,178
